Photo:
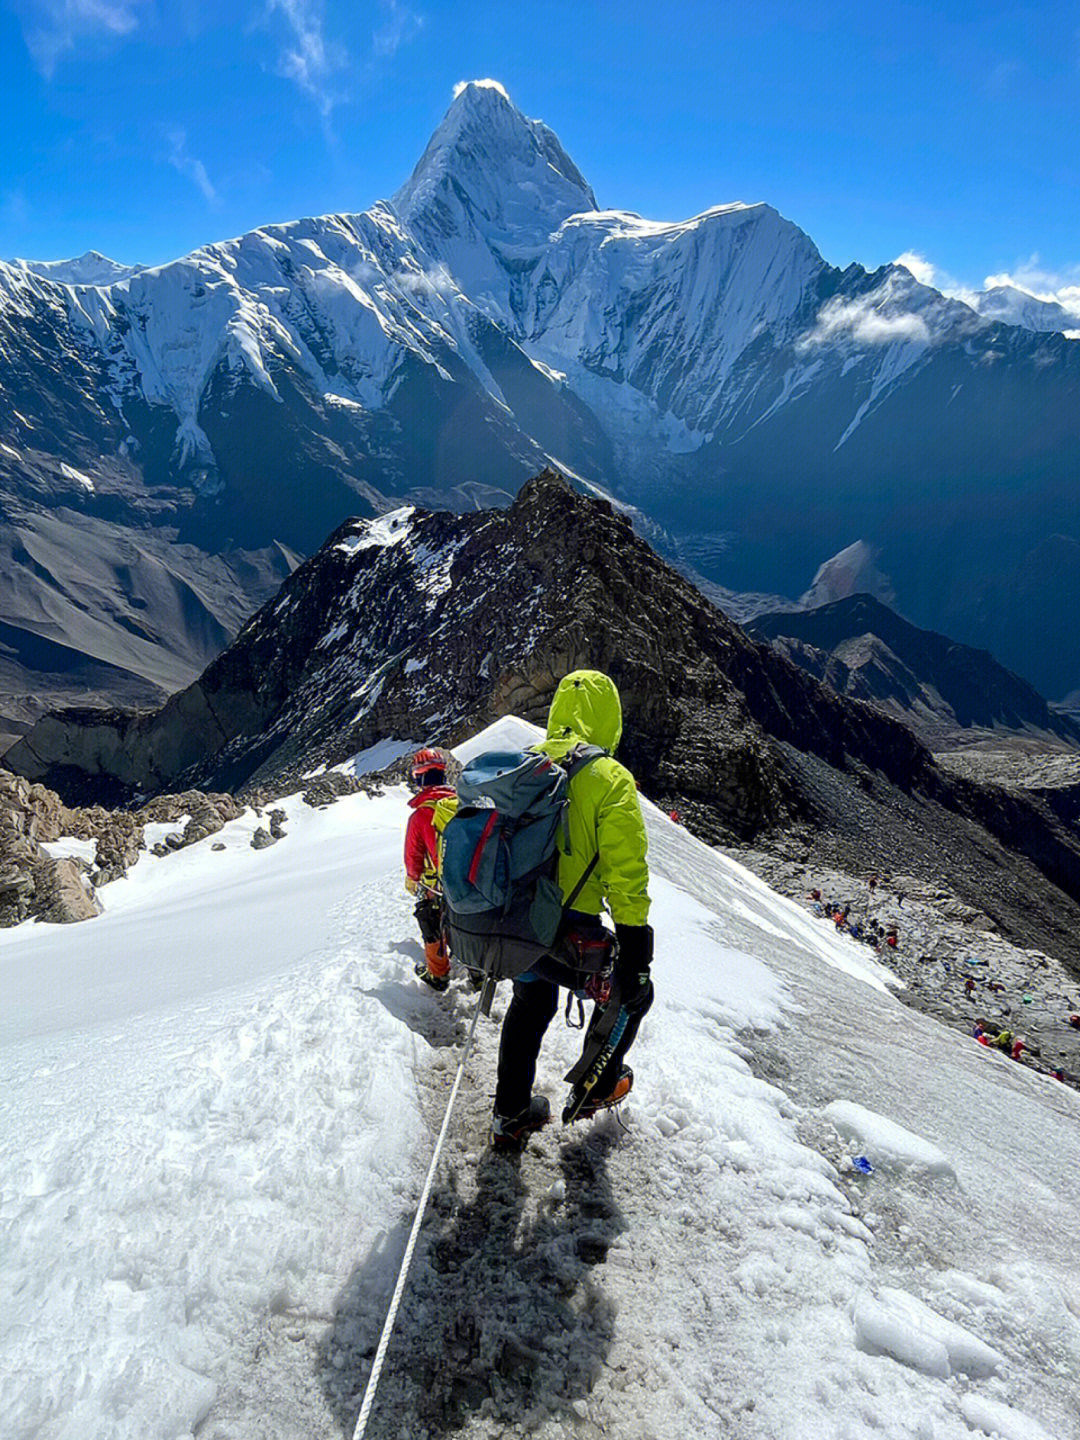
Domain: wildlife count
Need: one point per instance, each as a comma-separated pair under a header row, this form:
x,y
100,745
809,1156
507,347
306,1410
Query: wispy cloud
x,y
52,27
181,159
866,321
310,60
402,25
1062,286
14,208
436,280
927,273
924,271
481,85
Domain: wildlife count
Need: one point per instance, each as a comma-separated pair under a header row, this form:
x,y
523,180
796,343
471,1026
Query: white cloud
x,y
920,267
310,60
927,273
402,25
186,164
1061,287
482,85
52,27
871,320
436,280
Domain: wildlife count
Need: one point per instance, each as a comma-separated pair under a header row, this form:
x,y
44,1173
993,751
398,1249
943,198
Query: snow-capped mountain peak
x,y
93,268
490,172
1012,306
714,373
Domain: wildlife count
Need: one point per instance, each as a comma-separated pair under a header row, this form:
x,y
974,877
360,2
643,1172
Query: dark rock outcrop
x,y
430,625
425,626
860,648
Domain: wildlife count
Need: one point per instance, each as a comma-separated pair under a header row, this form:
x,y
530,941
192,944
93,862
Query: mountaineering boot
x,y
513,1134
437,982
435,967
623,1085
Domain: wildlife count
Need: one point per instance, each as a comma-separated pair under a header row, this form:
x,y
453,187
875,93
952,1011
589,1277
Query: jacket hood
x,y
586,707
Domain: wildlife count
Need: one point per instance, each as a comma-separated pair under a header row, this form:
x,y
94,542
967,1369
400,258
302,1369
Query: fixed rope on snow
x,y
399,1289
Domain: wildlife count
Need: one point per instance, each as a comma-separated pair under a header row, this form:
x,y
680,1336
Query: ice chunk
x,y
897,1324
885,1143
994,1418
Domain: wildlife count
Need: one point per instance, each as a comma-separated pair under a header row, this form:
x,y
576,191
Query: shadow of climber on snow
x,y
505,1313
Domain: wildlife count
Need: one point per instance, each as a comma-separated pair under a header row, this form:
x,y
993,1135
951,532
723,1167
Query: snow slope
x,y
1018,307
93,268
218,1104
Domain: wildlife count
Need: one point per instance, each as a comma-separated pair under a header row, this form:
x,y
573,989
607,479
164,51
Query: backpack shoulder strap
x,y
576,760
579,757
568,903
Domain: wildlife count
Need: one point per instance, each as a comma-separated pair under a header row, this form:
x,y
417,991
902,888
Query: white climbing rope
x,y
399,1289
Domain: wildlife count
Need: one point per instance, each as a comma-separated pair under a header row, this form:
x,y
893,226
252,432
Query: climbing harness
x,y
399,1289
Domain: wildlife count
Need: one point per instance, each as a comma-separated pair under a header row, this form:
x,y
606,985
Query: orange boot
x,y
436,969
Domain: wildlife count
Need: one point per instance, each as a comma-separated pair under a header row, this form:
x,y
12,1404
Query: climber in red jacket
x,y
421,864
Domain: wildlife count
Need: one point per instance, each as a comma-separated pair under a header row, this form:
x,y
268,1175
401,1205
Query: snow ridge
x,y
211,1166
668,331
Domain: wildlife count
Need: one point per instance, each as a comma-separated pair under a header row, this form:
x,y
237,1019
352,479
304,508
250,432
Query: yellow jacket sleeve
x,y
622,845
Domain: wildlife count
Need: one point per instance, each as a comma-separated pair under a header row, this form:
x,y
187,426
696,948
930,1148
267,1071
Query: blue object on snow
x,y
862,1164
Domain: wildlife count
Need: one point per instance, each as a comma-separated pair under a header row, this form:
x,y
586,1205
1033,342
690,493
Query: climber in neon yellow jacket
x,y
604,820
604,814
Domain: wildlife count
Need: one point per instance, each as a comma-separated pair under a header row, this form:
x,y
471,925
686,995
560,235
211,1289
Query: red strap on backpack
x,y
474,868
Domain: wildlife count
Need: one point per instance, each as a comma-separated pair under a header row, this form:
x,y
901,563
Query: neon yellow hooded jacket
x,y
604,815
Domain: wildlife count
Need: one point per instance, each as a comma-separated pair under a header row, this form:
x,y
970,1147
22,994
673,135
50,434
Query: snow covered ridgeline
x,y
210,1240
491,319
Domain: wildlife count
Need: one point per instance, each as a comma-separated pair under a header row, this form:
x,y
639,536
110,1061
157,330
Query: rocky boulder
x,y
35,885
63,894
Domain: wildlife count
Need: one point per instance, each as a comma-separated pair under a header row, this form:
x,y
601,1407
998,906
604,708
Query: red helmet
x,y
426,760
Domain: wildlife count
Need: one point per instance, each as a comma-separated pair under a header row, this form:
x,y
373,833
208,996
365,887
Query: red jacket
x,y
421,842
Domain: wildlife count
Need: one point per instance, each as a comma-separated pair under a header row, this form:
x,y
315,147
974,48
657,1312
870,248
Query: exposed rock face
x,y
860,648
425,626
29,814
62,896
35,885
358,646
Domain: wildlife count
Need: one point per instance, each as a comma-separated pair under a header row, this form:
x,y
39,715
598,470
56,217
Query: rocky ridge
x,y
946,692
423,627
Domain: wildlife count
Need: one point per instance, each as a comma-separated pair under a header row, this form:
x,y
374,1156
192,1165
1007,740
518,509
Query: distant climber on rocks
x,y
601,864
428,772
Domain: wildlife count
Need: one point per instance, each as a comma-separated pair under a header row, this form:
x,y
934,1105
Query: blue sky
x,y
143,128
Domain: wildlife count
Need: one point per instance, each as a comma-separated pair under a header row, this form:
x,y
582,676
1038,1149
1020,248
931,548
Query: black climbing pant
x,y
428,914
528,1017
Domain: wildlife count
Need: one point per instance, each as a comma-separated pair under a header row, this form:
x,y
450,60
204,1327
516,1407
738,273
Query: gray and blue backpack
x,y
500,853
